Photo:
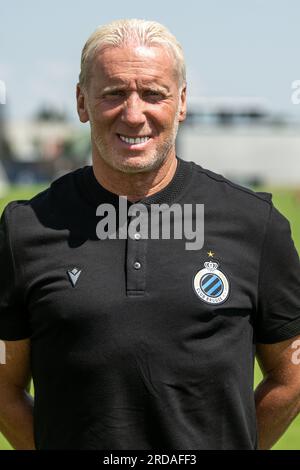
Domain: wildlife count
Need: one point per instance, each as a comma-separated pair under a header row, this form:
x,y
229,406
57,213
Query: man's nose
x,y
133,110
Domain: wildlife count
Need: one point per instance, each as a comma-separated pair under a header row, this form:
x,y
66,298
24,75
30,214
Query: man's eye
x,y
152,94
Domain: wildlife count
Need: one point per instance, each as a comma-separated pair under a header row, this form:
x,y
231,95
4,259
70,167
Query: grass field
x,y
288,202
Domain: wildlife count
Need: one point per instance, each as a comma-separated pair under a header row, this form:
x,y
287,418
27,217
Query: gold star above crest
x,y
210,254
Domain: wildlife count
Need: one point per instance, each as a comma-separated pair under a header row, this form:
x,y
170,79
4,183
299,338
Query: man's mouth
x,y
134,140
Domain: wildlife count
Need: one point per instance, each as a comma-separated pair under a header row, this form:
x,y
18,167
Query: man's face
x,y
134,105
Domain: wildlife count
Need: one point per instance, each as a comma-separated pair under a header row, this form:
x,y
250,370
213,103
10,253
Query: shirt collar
x,y
96,194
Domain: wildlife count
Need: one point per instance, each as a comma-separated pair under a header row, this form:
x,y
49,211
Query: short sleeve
x,y
278,312
13,324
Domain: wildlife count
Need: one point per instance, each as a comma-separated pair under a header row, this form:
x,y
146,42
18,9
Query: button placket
x,y
136,262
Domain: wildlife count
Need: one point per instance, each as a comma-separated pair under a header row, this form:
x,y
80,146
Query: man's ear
x,y
81,104
182,112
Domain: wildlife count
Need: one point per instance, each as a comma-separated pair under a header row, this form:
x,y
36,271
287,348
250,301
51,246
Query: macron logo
x,y
74,275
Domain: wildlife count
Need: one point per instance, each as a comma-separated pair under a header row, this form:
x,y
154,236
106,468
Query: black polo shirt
x,y
158,354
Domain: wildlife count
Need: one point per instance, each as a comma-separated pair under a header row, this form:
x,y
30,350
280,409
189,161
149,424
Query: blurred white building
x,y
241,140
32,140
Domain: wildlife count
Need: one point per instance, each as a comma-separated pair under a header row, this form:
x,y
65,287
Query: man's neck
x,y
134,186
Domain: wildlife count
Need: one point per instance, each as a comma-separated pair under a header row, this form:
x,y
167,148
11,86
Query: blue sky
x,y
232,47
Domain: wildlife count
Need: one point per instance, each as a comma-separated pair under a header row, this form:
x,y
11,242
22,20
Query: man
x,y
137,342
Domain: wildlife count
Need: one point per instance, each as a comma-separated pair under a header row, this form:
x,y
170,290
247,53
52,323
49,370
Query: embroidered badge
x,y
211,284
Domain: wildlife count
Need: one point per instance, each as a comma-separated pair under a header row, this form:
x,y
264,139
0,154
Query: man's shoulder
x,y
59,193
219,185
64,187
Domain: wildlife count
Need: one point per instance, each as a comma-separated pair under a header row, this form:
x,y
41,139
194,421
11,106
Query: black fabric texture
x,y
133,358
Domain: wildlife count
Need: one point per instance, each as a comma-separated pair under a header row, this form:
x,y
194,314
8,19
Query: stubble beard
x,y
150,163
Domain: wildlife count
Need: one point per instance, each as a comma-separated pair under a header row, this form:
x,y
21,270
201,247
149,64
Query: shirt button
x,y
137,236
137,265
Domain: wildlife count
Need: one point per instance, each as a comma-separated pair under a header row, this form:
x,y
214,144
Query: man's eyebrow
x,y
155,87
145,86
110,88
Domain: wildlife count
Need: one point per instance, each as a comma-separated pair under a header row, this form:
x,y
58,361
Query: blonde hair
x,y
131,31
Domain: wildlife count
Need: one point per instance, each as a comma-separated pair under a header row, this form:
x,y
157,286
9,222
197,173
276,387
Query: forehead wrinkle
x,y
129,63
125,77
139,86
118,82
126,62
131,72
125,70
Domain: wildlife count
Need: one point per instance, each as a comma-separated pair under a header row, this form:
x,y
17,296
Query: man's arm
x,y
16,405
277,397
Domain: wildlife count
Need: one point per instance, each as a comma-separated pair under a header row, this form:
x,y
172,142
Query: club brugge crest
x,y
210,284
